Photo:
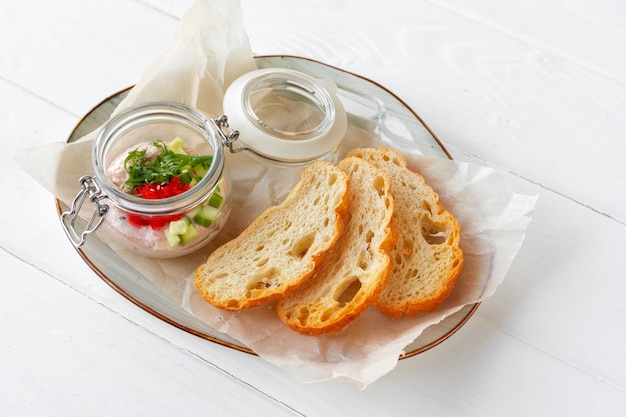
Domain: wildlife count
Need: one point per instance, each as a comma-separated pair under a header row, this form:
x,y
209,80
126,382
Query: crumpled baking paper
x,y
493,223
210,50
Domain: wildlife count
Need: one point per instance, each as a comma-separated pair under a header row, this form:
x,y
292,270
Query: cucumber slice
x,y
178,227
206,216
177,146
216,199
172,239
199,170
194,212
190,234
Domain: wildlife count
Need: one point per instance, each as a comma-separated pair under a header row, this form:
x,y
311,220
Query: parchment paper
x,y
210,50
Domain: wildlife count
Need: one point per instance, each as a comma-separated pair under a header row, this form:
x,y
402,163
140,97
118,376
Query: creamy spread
x,y
170,235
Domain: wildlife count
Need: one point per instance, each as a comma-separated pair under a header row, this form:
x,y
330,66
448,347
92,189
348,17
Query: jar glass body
x,y
145,225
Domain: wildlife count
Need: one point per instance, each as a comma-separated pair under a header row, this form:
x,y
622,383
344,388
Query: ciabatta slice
x,y
427,257
282,247
356,268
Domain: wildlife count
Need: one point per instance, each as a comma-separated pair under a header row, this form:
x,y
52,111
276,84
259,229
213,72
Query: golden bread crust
x,y
358,266
427,257
281,248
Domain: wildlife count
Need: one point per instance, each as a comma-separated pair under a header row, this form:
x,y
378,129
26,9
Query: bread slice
x,y
281,248
427,257
357,267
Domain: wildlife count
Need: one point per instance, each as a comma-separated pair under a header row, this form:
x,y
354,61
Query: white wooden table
x,y
535,89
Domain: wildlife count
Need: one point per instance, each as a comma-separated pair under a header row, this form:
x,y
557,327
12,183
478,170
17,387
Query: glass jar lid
x,y
285,115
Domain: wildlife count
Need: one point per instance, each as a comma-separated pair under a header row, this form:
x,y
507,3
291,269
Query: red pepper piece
x,y
155,192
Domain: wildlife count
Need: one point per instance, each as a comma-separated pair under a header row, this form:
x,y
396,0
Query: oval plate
x,y
370,107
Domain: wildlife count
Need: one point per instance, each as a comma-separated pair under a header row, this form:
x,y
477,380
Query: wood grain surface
x,y
535,89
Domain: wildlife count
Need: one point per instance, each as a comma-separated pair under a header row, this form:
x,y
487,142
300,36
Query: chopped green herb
x,y
164,166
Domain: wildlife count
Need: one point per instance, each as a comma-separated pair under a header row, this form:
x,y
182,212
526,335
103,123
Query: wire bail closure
x,y
90,189
230,135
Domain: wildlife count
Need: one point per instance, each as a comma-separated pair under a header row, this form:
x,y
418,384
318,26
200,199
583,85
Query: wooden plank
x,y
511,104
548,342
88,49
567,267
482,370
568,29
81,357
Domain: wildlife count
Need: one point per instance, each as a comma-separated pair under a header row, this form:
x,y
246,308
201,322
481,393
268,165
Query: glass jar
x,y
286,119
165,226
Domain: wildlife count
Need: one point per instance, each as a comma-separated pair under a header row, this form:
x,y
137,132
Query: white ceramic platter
x,y
369,106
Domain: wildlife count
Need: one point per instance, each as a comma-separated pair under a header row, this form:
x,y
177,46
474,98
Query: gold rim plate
x,y
369,105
